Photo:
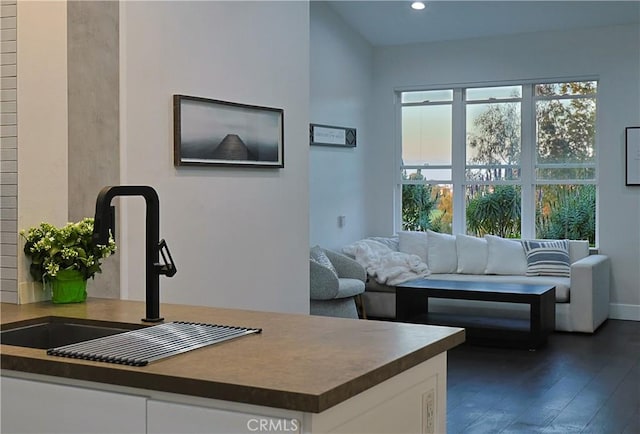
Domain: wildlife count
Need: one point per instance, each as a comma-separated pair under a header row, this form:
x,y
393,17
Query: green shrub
x,y
418,205
495,212
572,215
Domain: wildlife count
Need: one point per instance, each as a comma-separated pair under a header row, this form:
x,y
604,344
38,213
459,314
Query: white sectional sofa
x,y
582,288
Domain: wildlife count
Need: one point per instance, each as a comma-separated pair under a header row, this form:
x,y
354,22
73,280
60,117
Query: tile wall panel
x,y
8,153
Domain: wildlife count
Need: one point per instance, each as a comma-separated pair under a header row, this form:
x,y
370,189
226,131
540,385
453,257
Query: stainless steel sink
x,y
122,343
51,331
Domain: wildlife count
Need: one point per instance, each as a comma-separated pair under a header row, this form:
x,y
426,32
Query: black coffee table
x,y
412,305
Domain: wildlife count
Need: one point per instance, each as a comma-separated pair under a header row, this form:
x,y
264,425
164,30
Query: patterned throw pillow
x,y
318,255
547,258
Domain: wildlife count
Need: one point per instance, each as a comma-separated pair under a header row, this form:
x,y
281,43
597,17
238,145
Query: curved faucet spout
x,y
104,224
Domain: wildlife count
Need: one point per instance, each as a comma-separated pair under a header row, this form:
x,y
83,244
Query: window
x,y
514,161
565,160
427,157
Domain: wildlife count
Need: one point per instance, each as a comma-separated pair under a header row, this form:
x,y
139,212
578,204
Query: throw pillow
x,y
547,258
505,256
441,254
413,243
472,254
318,255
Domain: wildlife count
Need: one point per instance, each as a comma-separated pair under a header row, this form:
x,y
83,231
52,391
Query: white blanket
x,y
387,266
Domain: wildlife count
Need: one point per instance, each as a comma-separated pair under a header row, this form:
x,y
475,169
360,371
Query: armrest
x,y
346,267
324,284
589,296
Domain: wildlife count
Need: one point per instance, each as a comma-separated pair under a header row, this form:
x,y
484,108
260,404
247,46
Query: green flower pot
x,y
69,286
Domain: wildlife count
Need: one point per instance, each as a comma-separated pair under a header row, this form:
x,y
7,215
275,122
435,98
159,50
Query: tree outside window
x,y
565,155
425,206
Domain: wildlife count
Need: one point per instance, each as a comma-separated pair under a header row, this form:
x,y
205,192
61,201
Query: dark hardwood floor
x,y
578,383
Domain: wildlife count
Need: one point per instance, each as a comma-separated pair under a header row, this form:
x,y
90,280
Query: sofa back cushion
x,y
472,254
578,249
505,256
441,252
413,243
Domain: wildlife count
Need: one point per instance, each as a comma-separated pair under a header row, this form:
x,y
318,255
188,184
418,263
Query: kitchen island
x,y
302,374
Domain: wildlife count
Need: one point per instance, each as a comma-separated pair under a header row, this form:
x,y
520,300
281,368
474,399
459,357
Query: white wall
x,y
42,126
341,79
239,236
610,53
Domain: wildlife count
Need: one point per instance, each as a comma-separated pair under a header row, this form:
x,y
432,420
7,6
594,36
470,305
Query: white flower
x,y
52,269
69,253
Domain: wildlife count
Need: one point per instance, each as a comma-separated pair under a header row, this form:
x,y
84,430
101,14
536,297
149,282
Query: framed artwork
x,y
327,135
209,132
632,155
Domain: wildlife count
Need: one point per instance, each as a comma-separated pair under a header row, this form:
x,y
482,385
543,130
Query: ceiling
x,y
385,23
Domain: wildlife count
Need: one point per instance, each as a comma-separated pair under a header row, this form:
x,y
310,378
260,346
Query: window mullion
x,y
527,161
397,165
458,149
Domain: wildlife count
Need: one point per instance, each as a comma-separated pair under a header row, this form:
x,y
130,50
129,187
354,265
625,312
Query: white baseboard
x,y
624,311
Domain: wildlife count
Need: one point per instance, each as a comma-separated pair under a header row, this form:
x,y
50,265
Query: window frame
x,y
528,166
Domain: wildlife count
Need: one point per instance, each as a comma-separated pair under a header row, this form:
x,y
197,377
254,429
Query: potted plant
x,y
64,258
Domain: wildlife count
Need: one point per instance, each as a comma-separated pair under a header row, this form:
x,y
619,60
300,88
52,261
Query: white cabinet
x,y
40,407
411,402
171,418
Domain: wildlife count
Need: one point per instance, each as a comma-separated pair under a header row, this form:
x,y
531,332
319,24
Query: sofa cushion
x,y
441,252
578,249
413,243
472,254
319,256
547,258
505,256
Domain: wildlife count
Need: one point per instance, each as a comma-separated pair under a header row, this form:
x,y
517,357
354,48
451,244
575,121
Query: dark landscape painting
x,y
216,132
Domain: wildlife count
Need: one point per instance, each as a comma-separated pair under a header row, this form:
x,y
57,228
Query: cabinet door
x,y
170,418
37,407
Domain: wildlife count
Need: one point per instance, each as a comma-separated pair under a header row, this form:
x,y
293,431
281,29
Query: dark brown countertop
x,y
298,362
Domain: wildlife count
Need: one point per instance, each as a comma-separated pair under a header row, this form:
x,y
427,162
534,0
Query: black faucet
x,y
104,223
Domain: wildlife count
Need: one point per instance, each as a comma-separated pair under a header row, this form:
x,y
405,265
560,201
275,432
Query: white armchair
x,y
333,292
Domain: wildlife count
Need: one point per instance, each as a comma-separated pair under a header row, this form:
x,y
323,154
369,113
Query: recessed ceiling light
x,y
418,6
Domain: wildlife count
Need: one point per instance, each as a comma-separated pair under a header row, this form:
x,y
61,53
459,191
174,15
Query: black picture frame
x,y
632,156
329,135
210,132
